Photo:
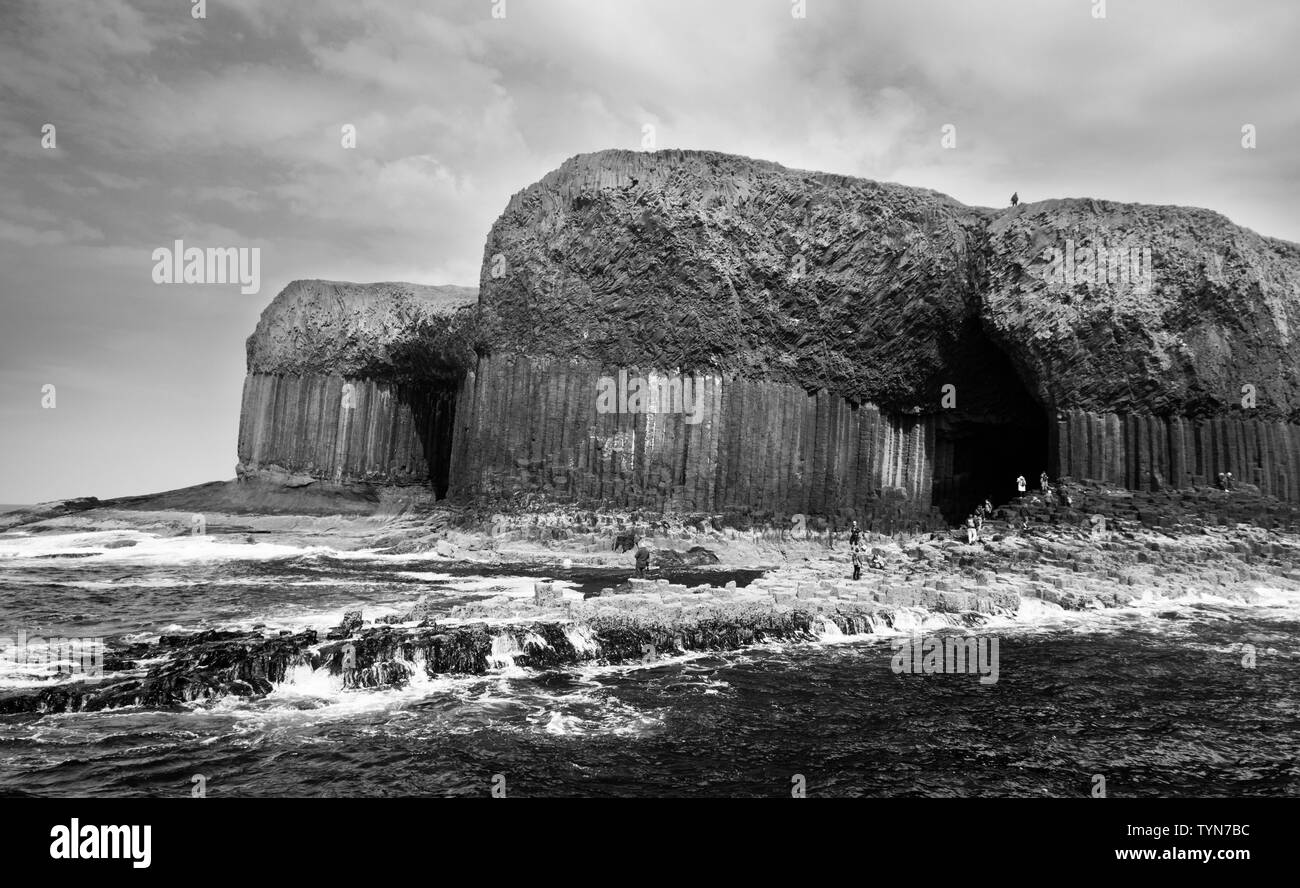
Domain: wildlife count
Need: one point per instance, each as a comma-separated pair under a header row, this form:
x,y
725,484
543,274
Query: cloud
x,y
71,231
226,131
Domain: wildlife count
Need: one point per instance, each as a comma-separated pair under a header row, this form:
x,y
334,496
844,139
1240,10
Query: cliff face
x,y
829,312
723,264
389,331
355,383
740,447
1160,337
1194,309
837,345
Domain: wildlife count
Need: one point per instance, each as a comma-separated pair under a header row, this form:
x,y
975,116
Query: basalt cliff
x,y
698,332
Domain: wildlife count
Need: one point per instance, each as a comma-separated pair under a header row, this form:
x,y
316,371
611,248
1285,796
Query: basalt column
x,y
355,383
1147,452
577,432
347,430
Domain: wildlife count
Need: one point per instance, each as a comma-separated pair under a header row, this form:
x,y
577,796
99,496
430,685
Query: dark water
x,y
1156,700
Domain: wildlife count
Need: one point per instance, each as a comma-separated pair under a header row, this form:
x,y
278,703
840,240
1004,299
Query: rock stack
x,y
801,344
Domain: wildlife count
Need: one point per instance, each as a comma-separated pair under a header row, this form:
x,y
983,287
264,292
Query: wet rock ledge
x,y
652,621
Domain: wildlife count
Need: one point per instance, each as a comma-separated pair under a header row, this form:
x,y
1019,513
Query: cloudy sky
x,y
226,131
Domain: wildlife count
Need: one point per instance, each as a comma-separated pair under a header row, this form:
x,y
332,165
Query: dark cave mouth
x,y
996,432
433,405
979,460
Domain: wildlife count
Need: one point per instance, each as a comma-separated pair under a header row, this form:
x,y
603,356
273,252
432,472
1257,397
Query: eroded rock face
x,y
389,331
724,264
355,383
1212,310
698,259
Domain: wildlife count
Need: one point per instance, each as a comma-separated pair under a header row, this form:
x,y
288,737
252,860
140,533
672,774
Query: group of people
x,y
1044,483
856,553
1225,481
1045,487
975,520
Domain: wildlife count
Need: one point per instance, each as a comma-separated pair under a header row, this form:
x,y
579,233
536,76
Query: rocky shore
x,y
1108,548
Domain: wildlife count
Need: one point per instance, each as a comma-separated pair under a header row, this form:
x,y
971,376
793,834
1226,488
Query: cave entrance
x,y
433,405
996,432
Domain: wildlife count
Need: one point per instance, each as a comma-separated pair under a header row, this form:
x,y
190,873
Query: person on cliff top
x,y
642,560
1021,484
1015,198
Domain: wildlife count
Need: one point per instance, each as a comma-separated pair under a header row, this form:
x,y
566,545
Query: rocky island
x,y
785,352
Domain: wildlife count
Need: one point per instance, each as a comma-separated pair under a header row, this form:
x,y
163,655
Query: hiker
x,y
1015,198
855,535
988,508
642,560
1231,484
856,557
972,535
1043,483
1021,484
349,665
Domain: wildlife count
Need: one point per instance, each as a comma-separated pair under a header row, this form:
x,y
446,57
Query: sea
x,y
1194,696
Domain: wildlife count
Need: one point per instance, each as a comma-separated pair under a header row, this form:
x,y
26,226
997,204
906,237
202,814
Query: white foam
x,y
149,549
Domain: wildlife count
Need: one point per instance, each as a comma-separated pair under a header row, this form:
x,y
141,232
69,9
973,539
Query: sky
x,y
227,131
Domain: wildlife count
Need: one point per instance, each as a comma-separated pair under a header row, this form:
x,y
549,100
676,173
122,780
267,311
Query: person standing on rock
x,y
1223,481
1231,484
1021,484
642,560
972,533
856,558
855,536
1043,483
349,670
